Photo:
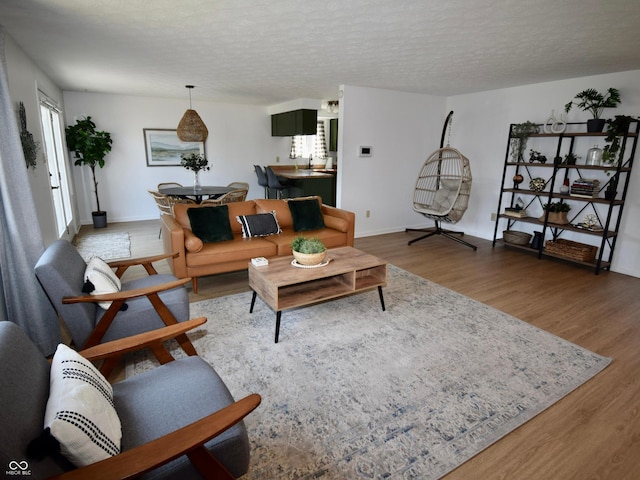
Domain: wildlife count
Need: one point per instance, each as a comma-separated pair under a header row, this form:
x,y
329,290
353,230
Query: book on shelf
x,y
584,195
591,228
515,213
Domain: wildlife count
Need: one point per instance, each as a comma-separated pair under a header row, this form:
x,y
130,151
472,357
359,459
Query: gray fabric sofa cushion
x,y
145,403
140,316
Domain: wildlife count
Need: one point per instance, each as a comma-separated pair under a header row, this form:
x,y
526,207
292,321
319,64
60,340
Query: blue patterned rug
x,y
353,392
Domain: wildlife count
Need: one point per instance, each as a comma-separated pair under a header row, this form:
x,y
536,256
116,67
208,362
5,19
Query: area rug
x,y
353,392
107,246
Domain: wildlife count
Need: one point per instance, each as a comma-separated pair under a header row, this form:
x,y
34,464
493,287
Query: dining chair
x,y
274,182
237,195
163,203
243,185
168,185
262,179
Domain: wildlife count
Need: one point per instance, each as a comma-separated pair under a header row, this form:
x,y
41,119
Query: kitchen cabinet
x,y
297,122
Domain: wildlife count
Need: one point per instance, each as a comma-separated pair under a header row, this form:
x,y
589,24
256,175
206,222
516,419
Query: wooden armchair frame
x,y
120,298
188,440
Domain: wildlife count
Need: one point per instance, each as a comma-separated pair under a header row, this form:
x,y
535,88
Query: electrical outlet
x,y
368,214
493,217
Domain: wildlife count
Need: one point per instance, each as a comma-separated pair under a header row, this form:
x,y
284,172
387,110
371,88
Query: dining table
x,y
197,194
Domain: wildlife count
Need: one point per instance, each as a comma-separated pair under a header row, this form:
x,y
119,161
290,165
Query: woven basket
x,y
572,250
515,237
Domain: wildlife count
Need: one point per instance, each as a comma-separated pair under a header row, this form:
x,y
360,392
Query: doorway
x,y
56,164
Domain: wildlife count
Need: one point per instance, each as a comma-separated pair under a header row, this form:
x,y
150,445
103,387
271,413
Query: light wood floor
x,y
594,433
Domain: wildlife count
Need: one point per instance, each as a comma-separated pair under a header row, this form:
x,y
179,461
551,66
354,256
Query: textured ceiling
x,y
269,51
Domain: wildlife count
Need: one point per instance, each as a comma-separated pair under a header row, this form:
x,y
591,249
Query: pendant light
x,y
191,127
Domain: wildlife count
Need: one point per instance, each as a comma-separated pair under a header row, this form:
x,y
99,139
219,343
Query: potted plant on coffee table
x,y
308,251
90,147
590,100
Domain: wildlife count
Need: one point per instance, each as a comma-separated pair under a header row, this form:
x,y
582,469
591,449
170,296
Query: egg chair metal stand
x,y
442,191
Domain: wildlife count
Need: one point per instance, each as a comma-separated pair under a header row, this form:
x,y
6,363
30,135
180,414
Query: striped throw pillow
x,y
80,412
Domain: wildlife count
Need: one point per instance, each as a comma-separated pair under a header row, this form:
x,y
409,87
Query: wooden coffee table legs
x,y
279,312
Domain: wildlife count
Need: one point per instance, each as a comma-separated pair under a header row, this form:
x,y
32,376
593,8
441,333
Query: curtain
x,y
24,301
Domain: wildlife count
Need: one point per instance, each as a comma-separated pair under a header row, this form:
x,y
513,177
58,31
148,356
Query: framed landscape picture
x,y
164,148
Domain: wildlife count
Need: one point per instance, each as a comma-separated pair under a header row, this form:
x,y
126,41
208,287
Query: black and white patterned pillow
x,y
80,412
99,278
259,225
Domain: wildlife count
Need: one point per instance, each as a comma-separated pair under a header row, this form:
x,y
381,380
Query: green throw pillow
x,y
306,215
211,224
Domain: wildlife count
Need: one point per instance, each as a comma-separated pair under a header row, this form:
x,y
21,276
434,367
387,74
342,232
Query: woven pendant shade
x,y
191,127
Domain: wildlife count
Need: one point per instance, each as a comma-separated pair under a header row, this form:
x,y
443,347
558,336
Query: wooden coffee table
x,y
283,286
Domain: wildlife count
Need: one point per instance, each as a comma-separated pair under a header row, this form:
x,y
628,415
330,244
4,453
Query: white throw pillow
x,y
80,411
103,279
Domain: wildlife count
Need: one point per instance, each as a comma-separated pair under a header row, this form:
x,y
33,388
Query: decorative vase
x,y
538,240
196,181
594,156
309,258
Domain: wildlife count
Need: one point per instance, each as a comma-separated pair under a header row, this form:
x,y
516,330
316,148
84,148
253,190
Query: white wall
x,y
401,129
25,78
239,137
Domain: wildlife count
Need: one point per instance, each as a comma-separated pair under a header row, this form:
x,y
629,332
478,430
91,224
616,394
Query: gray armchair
x,y
178,420
152,302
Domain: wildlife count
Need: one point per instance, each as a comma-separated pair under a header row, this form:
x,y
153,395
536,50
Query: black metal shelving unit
x,y
608,211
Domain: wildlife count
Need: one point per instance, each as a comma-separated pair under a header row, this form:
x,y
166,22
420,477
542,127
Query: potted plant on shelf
x,y
308,251
520,132
595,102
195,162
616,128
557,212
90,147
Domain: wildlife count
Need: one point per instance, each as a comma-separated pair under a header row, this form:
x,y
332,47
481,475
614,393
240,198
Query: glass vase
x,y
196,181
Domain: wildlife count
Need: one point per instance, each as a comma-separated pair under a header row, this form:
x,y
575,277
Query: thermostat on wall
x,y
365,151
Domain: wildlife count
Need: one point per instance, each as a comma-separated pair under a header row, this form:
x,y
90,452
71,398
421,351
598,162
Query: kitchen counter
x,y
305,182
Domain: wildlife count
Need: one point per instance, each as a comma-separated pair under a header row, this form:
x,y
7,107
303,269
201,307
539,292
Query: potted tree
x,y
590,100
308,251
90,147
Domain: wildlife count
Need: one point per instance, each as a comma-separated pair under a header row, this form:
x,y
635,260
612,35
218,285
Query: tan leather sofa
x,y
196,259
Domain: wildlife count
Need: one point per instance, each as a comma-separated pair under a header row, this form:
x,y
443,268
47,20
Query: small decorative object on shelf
x,y
590,222
594,156
517,180
595,102
570,159
555,124
537,184
195,162
564,189
535,156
